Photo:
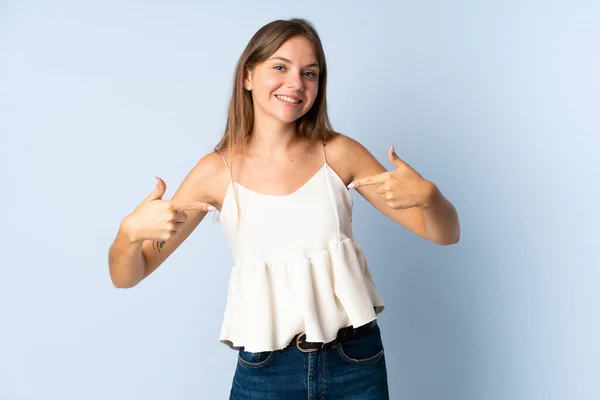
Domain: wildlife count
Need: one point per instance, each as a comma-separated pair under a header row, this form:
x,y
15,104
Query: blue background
x,y
496,102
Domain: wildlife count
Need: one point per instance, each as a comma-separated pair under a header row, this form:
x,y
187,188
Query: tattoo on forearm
x,y
158,245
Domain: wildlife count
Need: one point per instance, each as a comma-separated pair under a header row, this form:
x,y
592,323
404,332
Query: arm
x,y
402,194
125,259
441,219
132,260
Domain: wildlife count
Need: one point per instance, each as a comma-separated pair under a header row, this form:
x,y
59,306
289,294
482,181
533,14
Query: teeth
x,y
288,99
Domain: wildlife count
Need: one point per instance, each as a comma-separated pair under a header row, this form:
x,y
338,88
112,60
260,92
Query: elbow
x,y
448,241
451,238
123,285
121,282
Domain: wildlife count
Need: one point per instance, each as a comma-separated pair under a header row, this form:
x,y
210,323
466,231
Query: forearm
x,y
441,219
126,261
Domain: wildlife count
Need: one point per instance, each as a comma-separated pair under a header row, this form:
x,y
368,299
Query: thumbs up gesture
x,y
402,187
157,219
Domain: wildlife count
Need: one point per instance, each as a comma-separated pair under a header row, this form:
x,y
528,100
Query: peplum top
x,y
296,265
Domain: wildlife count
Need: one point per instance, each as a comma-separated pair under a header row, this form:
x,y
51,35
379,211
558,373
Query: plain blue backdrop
x,y
496,102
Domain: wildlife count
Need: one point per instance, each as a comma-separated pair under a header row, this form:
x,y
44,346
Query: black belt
x,y
343,334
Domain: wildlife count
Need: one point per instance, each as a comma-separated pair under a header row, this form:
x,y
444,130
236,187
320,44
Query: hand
x,y
402,188
157,219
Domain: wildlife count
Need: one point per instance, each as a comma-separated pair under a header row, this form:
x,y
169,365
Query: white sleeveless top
x,y
297,267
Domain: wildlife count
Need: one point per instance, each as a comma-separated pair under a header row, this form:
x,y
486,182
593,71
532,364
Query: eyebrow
x,y
288,61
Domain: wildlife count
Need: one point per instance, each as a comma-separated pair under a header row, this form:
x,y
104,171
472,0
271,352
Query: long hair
x,y
313,125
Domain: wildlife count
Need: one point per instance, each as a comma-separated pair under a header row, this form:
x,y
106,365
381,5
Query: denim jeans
x,y
355,370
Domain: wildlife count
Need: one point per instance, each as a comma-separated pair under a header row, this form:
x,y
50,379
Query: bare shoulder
x,y
204,183
348,157
207,181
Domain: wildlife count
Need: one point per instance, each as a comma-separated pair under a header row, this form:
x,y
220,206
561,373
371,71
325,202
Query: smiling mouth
x,y
288,99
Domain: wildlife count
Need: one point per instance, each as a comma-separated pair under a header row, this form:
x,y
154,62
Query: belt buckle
x,y
298,344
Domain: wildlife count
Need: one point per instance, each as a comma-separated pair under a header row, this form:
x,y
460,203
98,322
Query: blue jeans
x,y
355,370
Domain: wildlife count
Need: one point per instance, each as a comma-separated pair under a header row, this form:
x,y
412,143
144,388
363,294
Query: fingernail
x,y
157,181
211,208
351,186
393,149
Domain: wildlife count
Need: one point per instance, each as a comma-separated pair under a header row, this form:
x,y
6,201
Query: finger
x,y
159,191
369,180
196,205
393,157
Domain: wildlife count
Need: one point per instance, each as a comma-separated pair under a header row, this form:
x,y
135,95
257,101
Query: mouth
x,y
288,100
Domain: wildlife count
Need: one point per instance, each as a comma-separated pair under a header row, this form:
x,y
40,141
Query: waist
x,y
345,333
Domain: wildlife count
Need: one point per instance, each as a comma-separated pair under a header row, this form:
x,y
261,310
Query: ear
x,y
248,80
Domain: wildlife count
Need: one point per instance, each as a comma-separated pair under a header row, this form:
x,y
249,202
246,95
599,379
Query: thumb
x,y
159,191
393,157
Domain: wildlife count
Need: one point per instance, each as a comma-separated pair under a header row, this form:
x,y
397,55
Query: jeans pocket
x,y
255,360
367,349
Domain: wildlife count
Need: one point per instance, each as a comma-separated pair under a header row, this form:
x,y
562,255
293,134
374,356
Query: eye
x,y
310,74
279,67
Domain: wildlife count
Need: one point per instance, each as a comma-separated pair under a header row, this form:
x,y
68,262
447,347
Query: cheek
x,y
313,91
270,83
313,87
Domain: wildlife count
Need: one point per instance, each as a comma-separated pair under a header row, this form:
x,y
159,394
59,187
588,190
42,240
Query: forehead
x,y
298,50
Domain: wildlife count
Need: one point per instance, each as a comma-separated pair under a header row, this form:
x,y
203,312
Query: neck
x,y
271,138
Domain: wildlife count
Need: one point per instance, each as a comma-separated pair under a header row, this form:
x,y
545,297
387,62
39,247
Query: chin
x,y
288,118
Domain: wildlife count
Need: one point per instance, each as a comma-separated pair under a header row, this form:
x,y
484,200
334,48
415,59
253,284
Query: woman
x,y
302,307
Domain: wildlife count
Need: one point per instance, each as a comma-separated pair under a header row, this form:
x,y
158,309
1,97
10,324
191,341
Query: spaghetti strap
x,y
324,155
225,161
302,233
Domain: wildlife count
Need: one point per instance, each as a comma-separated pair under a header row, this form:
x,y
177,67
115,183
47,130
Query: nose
x,y
295,82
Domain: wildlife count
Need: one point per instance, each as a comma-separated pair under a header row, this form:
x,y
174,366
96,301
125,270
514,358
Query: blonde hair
x,y
314,125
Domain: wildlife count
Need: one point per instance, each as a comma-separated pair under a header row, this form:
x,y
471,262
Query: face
x,y
285,86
